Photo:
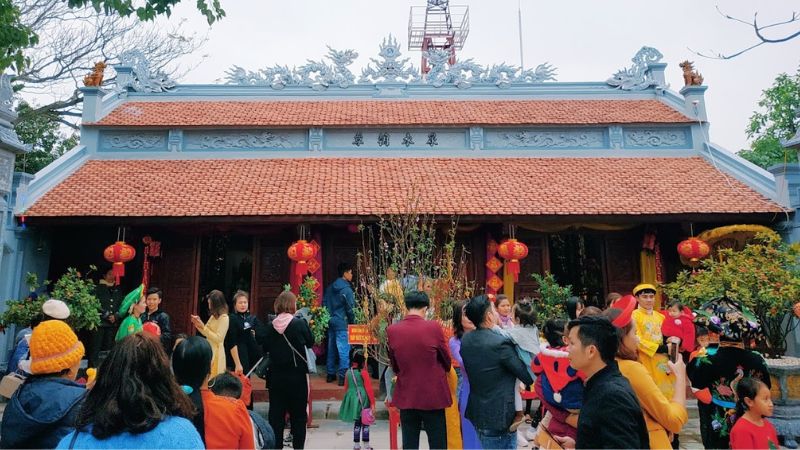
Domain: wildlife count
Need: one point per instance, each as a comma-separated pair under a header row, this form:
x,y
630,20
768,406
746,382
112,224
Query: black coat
x,y
281,357
611,416
492,366
162,319
241,334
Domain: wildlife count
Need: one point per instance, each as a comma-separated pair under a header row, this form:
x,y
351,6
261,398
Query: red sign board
x,y
360,335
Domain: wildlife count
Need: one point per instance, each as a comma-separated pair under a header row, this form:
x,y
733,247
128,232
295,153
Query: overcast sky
x,y
585,40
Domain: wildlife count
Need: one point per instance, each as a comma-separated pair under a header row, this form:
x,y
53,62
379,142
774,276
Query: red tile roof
x,y
389,113
371,186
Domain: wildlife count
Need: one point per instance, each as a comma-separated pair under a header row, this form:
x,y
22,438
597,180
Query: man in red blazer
x,y
421,361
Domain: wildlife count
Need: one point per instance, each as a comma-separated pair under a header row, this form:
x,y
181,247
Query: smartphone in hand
x,y
673,351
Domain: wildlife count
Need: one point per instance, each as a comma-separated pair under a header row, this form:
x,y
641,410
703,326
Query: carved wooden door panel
x,y
473,246
622,262
338,247
271,274
538,261
175,273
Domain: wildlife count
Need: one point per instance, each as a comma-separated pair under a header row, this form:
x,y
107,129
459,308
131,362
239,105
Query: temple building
x,y
594,177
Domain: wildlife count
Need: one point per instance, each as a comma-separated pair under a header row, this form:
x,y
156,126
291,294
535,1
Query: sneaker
x,y
330,378
341,381
521,441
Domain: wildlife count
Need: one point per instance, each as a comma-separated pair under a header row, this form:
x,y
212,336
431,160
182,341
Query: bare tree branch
x,y
73,40
759,33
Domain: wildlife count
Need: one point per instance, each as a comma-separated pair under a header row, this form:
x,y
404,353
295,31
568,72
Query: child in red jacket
x,y
679,322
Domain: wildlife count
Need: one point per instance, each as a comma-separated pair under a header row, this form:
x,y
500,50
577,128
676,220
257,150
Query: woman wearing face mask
x,y
241,350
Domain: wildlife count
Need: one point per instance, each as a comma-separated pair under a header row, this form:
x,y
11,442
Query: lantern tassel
x,y
301,268
119,271
513,268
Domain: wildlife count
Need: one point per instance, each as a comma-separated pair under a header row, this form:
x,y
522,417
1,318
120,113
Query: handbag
x,y
367,417
10,383
261,369
310,359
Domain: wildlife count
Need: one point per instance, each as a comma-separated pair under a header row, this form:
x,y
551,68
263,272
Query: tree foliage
x,y
15,37
552,304
44,134
150,9
764,277
776,121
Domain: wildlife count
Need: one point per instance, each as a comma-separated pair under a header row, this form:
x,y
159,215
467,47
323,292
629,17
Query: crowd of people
x,y
606,378
612,378
156,390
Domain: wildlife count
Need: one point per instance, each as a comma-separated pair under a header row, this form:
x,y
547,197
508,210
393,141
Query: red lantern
x,y
300,252
118,254
512,251
693,250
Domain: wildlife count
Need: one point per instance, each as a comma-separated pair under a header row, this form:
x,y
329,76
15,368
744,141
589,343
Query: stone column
x,y
10,147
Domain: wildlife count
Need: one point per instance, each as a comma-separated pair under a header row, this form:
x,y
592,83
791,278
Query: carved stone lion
x,y
96,77
691,77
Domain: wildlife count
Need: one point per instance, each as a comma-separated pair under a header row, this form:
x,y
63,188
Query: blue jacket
x,y
172,432
340,300
40,413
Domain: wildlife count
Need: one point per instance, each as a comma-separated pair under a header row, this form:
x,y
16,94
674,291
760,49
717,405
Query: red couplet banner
x,y
360,335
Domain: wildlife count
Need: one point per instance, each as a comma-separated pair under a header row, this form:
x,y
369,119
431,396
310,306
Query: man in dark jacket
x,y
44,408
611,416
492,367
154,313
110,298
421,360
340,300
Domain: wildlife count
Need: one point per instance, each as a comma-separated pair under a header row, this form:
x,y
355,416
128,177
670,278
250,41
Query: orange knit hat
x,y
54,348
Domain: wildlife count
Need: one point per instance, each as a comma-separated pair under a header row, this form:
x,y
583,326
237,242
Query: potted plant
x,y
553,298
72,288
764,277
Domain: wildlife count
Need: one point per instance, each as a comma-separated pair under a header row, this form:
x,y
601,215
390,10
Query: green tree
x,y
43,132
15,37
776,121
212,9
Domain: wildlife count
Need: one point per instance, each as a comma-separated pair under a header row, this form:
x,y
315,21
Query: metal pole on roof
x,y
519,17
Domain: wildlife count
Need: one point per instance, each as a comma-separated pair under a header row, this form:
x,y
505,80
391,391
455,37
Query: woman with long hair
x,y
664,416
461,326
135,403
223,422
215,329
286,339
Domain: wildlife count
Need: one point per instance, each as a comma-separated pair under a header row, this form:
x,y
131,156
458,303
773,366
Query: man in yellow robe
x,y
652,351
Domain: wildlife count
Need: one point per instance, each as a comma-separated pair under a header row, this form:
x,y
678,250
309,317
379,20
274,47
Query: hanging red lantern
x,y
300,252
692,250
512,251
118,254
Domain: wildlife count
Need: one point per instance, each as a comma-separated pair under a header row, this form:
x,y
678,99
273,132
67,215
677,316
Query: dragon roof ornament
x,y
389,67
142,79
637,77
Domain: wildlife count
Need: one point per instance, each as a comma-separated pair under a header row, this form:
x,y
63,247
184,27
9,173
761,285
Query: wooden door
x,y
538,261
622,262
175,273
271,273
338,247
